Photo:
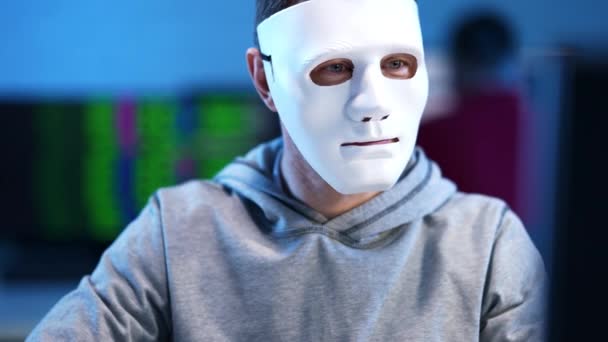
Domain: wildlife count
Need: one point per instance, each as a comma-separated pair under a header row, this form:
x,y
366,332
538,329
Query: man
x,y
340,231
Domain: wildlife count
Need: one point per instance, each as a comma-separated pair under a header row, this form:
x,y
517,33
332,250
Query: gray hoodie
x,y
237,259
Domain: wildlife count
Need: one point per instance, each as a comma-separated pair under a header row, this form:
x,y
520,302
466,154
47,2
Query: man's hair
x,y
266,8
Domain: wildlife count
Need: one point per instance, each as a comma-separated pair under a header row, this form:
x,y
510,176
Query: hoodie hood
x,y
256,178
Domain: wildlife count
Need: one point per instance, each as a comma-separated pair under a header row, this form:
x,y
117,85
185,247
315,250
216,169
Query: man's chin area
x,y
359,187
365,176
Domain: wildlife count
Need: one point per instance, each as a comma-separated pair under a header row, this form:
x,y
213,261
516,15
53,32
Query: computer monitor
x,y
577,303
76,171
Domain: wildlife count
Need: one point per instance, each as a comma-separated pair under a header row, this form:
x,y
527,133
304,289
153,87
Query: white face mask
x,y
350,84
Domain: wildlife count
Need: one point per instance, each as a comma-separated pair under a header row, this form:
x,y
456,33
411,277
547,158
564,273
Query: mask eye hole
x,y
332,72
400,66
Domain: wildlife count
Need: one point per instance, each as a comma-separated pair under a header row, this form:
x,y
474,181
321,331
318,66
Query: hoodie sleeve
x,y
124,299
514,296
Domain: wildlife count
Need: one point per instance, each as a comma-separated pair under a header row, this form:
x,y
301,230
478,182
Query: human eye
x,y
396,64
399,66
336,68
332,72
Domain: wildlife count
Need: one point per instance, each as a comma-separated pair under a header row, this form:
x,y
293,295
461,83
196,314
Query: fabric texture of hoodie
x,y
237,259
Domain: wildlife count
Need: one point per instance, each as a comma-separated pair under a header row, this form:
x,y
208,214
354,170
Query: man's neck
x,y
305,184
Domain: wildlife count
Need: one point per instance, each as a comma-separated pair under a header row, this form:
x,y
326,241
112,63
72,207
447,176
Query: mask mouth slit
x,y
370,143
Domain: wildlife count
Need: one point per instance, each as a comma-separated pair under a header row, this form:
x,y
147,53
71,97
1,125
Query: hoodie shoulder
x,y
193,196
475,214
476,202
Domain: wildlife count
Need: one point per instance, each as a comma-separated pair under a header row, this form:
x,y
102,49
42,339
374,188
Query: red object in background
x,y
477,144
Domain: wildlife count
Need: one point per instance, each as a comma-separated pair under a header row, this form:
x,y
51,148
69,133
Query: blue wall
x,y
79,46
541,23
71,46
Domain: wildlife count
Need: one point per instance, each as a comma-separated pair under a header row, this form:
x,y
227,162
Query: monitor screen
x,y
579,268
77,171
